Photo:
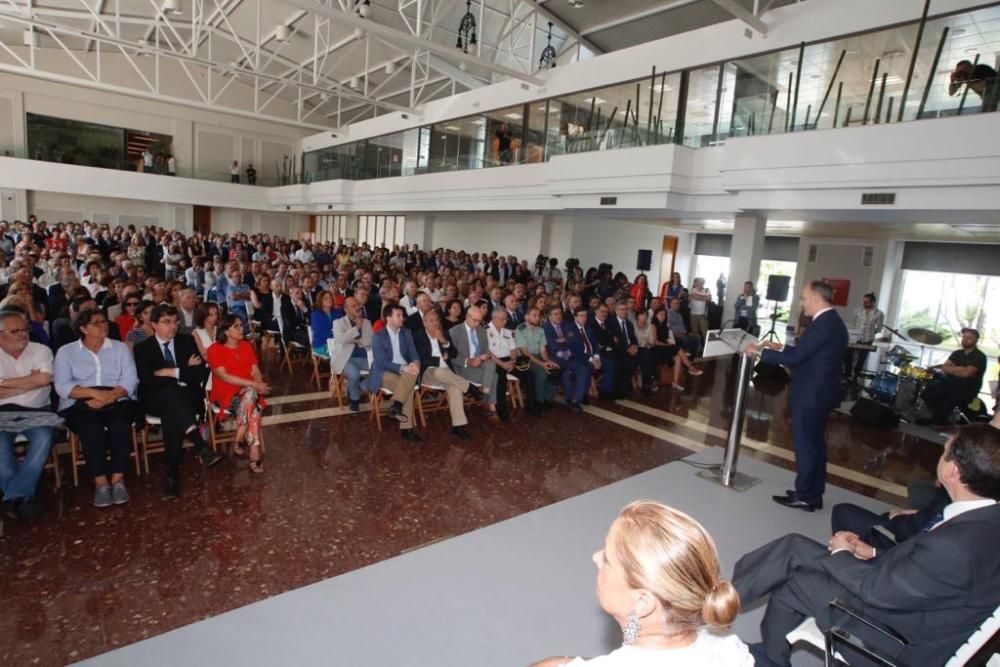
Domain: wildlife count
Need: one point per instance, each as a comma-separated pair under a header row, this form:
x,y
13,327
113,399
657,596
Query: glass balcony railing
x,y
942,67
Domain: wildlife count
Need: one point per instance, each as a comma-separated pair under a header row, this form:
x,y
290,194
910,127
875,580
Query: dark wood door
x,y
202,219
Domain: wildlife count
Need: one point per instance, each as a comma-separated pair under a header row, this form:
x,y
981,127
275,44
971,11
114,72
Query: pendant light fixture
x,y
467,29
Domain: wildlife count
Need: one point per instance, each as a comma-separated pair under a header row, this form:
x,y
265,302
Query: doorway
x,y
668,254
202,219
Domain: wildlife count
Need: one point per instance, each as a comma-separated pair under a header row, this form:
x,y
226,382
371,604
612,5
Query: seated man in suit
x,y
415,321
396,366
881,532
436,352
172,379
626,350
474,361
605,336
935,588
566,347
352,338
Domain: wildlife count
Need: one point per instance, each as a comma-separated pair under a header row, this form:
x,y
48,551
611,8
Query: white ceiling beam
x,y
400,38
736,11
637,16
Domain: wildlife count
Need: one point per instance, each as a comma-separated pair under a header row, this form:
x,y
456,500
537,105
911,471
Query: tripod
x,y
772,334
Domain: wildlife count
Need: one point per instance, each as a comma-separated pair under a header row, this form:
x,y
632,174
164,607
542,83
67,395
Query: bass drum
x,y
884,388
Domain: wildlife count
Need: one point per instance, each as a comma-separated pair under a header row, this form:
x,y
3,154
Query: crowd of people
x,y
119,324
125,323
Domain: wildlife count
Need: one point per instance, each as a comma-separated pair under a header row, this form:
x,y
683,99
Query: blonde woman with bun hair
x,y
658,577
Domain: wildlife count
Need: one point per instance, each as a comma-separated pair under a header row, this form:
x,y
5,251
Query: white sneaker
x,y
678,387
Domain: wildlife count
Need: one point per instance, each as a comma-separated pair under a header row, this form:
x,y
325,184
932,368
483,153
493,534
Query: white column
x,y
744,257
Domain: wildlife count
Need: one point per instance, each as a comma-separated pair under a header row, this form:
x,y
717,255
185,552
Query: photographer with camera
x,y
980,79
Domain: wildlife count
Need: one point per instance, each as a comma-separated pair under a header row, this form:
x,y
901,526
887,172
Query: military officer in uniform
x,y
530,341
565,346
504,350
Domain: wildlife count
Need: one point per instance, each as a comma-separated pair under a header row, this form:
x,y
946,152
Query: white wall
x,y
842,258
618,242
513,234
57,207
229,221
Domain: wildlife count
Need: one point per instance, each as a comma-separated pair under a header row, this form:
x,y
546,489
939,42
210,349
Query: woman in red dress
x,y
237,385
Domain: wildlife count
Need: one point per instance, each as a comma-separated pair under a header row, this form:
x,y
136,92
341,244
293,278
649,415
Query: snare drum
x,y
884,388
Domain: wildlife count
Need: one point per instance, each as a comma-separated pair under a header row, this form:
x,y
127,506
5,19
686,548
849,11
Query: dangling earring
x,y
631,630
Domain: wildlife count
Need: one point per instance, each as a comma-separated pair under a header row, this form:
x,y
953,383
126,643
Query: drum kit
x,y
900,386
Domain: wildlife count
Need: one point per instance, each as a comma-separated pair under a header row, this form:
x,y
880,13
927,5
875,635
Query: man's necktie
x,y
168,356
933,521
586,343
474,339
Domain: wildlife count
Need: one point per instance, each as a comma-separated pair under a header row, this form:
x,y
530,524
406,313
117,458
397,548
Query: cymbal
x,y
924,336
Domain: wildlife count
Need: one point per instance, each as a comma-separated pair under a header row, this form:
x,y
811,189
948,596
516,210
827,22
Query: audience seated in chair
x,y
567,348
473,360
351,343
934,588
436,355
25,410
96,380
172,376
396,367
658,578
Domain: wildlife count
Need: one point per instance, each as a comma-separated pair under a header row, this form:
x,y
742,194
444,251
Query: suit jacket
x,y
460,341
581,349
816,361
414,322
344,337
514,318
569,349
427,359
604,335
622,342
382,355
149,359
935,588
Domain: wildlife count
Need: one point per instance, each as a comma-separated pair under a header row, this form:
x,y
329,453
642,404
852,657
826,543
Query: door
x,y
667,256
202,219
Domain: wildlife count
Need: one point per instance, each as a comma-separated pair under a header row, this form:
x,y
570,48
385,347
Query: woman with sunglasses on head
x,y
238,387
143,327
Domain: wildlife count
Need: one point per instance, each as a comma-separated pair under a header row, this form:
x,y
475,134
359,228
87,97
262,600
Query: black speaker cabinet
x,y
645,260
777,288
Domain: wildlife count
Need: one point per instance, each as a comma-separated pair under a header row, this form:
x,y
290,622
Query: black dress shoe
x,y
474,393
29,509
355,406
575,407
460,432
606,396
504,415
797,503
410,436
209,456
396,412
10,507
172,489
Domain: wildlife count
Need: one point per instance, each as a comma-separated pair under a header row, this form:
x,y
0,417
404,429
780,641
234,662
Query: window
x,y
381,230
945,303
331,228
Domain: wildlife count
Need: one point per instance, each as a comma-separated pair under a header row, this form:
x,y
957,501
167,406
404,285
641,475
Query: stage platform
x,y
502,596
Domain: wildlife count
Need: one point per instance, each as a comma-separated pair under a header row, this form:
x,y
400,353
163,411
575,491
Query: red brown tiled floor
x,y
336,496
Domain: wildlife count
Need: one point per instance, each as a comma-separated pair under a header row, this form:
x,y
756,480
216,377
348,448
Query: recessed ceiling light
x,y
958,31
596,100
512,116
972,51
893,54
453,128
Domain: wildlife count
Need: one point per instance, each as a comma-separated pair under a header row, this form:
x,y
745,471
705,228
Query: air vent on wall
x,y
869,255
878,198
813,251
609,201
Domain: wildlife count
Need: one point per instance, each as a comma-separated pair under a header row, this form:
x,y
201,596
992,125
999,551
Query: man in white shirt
x,y
409,300
868,321
504,351
700,297
304,254
25,409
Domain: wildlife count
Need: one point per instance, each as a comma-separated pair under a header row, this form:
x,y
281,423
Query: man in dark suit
x,y
934,589
626,350
815,390
396,366
566,347
424,305
172,380
515,313
604,334
884,531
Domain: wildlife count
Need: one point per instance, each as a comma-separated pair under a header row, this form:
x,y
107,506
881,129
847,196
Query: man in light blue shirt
x,y
237,297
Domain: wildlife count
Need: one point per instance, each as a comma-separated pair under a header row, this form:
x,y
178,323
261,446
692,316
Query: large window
x,y
92,145
945,303
331,228
381,230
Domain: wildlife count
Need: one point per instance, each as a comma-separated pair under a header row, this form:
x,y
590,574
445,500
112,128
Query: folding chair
x,y
21,450
317,359
77,460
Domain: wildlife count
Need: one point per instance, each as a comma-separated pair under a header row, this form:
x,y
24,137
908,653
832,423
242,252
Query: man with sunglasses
x,y
25,409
